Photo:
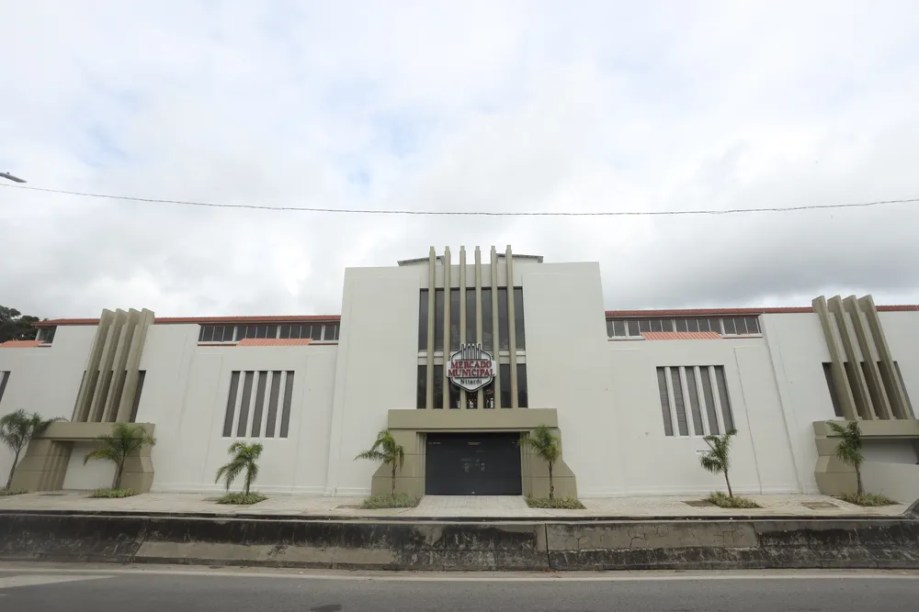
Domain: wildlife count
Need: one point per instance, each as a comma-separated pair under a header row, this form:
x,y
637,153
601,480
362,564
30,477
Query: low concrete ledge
x,y
521,545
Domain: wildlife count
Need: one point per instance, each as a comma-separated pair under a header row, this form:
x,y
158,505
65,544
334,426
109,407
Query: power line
x,y
472,213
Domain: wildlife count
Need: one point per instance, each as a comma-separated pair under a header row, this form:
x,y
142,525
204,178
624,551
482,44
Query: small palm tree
x,y
850,448
388,451
717,458
546,446
116,447
16,430
244,458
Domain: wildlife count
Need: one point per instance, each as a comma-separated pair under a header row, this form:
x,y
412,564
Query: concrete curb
x,y
910,513
508,545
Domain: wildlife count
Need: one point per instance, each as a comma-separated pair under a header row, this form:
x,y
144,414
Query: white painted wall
x,y
185,395
377,367
660,464
898,481
95,474
797,350
45,380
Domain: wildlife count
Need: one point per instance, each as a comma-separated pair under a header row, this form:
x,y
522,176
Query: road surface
x,y
100,588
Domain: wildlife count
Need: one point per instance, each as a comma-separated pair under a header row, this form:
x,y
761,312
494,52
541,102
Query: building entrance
x,y
472,464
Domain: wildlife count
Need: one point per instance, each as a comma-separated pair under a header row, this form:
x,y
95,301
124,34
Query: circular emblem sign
x,y
471,367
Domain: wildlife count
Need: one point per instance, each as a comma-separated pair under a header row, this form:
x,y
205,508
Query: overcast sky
x,y
510,106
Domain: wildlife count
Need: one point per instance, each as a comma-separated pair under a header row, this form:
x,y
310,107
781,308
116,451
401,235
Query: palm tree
x,y
244,458
546,446
386,449
717,458
850,448
117,446
16,430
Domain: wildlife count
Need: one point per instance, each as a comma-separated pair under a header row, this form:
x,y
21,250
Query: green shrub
x,y
866,499
565,503
7,492
113,493
241,499
723,501
399,500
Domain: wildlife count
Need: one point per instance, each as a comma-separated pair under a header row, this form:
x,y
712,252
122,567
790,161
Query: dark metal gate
x,y
472,464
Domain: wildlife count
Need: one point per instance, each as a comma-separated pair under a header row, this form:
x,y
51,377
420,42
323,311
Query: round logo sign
x,y
471,367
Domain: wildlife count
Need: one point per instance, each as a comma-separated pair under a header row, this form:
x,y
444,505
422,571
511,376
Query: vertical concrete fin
x,y
142,321
81,409
896,391
870,363
432,317
495,327
480,395
840,379
462,313
448,263
119,362
856,377
511,324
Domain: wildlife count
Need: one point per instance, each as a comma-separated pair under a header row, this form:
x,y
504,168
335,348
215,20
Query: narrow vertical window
x,y
665,401
438,386
487,322
259,403
503,341
141,375
488,396
505,371
271,426
678,402
834,397
244,405
423,320
726,413
455,339
523,399
231,405
422,387
471,311
455,396
439,320
519,327
710,402
694,401
288,398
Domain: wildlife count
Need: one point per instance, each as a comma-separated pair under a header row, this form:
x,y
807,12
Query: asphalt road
x,y
107,589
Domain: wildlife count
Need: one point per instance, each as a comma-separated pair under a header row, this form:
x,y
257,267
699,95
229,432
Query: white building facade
x,y
630,393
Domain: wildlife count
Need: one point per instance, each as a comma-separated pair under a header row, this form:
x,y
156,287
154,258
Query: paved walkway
x,y
443,506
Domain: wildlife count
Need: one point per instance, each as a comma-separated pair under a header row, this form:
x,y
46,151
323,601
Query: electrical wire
x,y
472,213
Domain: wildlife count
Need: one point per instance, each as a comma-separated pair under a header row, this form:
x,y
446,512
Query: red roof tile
x,y
681,336
722,312
207,320
20,344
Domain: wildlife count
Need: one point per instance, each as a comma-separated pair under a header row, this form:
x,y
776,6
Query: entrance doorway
x,y
472,464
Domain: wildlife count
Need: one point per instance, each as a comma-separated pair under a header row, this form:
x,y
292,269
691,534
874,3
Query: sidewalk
x,y
446,507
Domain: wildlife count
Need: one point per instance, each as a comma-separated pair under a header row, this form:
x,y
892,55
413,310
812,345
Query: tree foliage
x,y
849,450
16,326
125,439
546,446
717,458
386,450
245,457
16,430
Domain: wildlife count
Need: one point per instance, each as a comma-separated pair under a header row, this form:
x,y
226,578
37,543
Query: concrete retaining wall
x,y
526,545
